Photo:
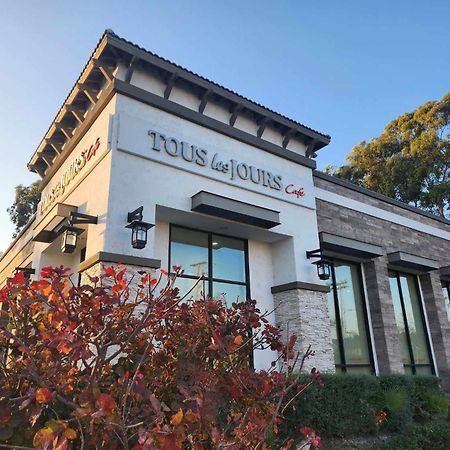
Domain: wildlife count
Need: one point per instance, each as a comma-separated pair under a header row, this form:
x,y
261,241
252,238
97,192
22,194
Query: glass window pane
x,y
445,291
408,370
414,317
229,293
395,294
228,258
424,370
189,248
352,314
187,284
332,313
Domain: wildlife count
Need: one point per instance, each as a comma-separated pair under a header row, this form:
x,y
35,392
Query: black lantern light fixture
x,y
138,227
323,265
70,233
69,238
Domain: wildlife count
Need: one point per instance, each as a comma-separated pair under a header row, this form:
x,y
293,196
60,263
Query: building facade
x,y
229,190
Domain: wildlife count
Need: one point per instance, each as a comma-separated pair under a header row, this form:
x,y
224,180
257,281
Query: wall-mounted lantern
x,y
323,265
70,233
69,238
138,227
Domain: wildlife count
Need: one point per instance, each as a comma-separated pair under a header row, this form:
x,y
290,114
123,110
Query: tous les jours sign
x,y
75,167
191,153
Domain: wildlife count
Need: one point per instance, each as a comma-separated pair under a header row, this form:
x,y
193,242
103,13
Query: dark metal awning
x,y
407,261
45,230
228,208
333,245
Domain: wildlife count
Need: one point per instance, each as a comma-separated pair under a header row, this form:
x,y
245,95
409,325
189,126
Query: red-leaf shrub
x,y
109,366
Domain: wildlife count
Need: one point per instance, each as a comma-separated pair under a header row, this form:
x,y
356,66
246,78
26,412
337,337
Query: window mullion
x,y
210,265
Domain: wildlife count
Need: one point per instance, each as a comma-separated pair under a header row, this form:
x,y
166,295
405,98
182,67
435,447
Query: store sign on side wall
x,y
75,167
232,168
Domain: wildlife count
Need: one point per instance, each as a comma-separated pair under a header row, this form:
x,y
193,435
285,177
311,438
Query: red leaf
x,y
306,431
43,395
109,271
64,347
47,272
177,418
18,278
105,403
170,441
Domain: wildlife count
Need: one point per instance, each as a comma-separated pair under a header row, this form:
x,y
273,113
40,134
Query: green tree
x,y
409,161
25,205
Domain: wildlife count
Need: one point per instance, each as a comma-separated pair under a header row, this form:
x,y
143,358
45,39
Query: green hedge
x,y
347,405
432,435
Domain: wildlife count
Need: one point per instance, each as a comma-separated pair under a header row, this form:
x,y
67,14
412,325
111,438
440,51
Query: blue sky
x,y
344,68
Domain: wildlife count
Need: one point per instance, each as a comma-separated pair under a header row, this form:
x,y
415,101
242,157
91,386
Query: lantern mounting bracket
x,y
135,215
77,218
314,253
27,271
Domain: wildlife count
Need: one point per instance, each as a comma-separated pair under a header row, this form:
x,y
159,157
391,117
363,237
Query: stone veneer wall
x,y
346,222
392,237
379,203
132,272
305,314
384,326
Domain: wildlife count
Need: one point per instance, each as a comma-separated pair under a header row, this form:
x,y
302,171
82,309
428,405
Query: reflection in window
x,y
446,292
410,320
189,248
221,260
228,258
349,322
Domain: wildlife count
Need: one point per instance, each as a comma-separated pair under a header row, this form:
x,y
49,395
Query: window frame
x,y
412,365
343,365
209,277
446,286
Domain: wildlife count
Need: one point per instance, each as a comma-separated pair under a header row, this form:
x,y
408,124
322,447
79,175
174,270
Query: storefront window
x,y
446,292
410,320
221,260
349,322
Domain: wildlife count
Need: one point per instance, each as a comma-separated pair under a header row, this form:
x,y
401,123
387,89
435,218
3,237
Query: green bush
x,y
433,435
433,403
348,404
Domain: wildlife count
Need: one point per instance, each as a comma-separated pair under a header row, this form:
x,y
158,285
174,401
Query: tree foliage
x,y
409,161
25,205
112,366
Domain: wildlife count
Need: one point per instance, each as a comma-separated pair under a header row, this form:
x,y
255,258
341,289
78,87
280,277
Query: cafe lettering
x,y
75,167
191,153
